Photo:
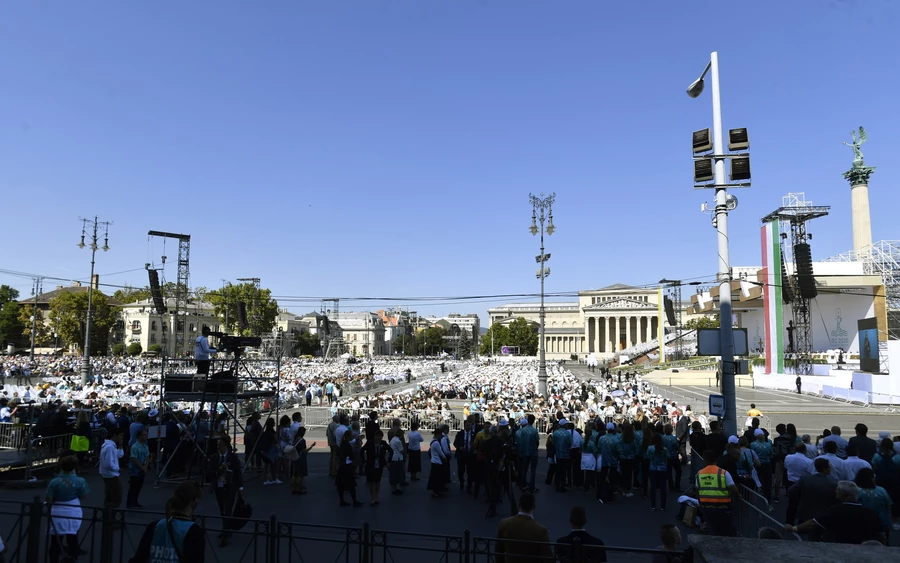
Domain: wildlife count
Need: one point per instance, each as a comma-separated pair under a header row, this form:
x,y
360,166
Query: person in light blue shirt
x,y
609,464
562,441
64,495
627,450
671,444
764,450
137,469
658,458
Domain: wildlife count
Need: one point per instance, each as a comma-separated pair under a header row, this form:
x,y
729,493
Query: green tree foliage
x,y
465,345
702,322
71,310
519,333
134,349
306,344
155,348
405,343
130,294
41,331
262,310
10,326
118,349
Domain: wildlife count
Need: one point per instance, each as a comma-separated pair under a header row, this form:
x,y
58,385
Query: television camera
x,y
235,343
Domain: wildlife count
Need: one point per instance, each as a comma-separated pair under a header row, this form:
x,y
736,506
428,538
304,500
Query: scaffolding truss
x,y
794,213
882,259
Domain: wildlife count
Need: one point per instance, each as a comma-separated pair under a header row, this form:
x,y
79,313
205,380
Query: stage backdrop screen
x,y
868,345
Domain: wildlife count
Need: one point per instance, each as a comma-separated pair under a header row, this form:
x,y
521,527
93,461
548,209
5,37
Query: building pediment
x,y
622,303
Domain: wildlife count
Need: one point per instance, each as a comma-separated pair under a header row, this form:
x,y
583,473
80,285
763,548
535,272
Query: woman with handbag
x,y
175,538
64,495
300,466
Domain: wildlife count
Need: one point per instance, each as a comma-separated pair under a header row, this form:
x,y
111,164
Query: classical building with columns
x,y
602,321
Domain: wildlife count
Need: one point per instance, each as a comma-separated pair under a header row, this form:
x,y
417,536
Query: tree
x,y
406,342
702,322
262,310
306,344
10,326
118,349
155,348
71,310
41,330
130,294
434,340
134,349
465,345
496,337
523,334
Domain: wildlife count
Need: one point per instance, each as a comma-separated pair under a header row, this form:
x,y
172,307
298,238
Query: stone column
x,y
610,334
628,341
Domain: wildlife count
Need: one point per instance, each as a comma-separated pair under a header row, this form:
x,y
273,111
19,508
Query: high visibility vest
x,y
712,488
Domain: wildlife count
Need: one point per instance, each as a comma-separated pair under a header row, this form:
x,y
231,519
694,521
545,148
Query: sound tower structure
x,y
672,306
335,345
182,287
794,213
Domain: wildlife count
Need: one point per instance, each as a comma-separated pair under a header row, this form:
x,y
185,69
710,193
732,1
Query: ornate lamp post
x,y
541,211
94,225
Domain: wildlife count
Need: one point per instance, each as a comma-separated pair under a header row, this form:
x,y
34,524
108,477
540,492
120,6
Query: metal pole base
x,y
542,381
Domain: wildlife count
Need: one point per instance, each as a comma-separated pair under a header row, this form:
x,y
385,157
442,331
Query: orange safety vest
x,y
712,488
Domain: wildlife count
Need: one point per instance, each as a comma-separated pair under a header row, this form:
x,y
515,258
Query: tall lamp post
x,y
93,225
541,211
723,276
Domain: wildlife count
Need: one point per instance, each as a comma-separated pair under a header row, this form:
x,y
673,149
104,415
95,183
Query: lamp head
x,y
696,88
534,228
550,228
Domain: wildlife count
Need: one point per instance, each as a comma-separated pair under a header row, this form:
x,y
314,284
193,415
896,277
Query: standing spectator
x,y
562,445
64,495
414,450
251,436
516,535
837,439
436,483
658,463
811,495
176,534
395,454
227,483
627,450
527,444
715,486
797,465
346,476
591,546
875,498
375,455
886,464
300,466
764,451
137,469
110,454
847,522
837,464
853,463
866,447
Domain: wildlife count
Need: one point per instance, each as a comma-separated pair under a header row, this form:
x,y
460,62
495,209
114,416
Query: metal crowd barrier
x,y
751,512
113,535
13,436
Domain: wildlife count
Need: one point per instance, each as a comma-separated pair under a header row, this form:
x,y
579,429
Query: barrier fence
x,y
112,535
751,512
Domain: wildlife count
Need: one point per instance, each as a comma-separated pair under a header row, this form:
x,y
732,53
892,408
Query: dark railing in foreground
x,y
112,536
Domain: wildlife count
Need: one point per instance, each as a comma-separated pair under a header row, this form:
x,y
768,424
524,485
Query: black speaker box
x,y
806,283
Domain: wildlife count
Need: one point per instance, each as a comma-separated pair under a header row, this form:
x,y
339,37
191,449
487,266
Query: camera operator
x,y
202,352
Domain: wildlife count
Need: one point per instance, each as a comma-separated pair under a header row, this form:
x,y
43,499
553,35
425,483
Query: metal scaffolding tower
x,y
335,343
182,287
882,259
793,215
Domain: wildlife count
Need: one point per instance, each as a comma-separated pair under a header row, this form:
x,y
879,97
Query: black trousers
x,y
202,366
135,483
462,465
56,547
225,499
562,471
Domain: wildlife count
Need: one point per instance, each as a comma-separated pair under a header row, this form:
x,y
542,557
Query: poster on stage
x,y
868,345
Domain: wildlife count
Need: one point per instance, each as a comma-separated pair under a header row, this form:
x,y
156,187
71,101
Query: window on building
x,y
165,327
135,325
179,326
191,327
153,338
152,325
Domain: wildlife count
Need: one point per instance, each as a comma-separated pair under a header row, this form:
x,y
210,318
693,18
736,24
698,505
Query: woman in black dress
x,y
436,483
375,457
346,476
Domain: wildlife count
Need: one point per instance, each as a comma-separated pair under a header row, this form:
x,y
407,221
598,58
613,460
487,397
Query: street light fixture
x,y
740,170
94,225
541,211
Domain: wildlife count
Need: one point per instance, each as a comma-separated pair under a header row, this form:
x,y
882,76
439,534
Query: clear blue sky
x,y
387,148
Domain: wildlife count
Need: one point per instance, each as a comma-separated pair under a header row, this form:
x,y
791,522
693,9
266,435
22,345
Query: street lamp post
x,y
93,225
542,210
723,276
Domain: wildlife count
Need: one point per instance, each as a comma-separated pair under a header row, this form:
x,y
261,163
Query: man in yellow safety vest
x,y
714,489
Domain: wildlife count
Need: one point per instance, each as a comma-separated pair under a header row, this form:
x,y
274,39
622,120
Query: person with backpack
x,y
782,446
175,538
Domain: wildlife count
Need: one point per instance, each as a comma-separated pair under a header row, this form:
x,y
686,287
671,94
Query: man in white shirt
x,y
853,463
838,472
110,454
798,465
836,438
202,351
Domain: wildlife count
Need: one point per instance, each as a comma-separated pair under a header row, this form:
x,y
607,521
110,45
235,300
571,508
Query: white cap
x,y
733,440
610,426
